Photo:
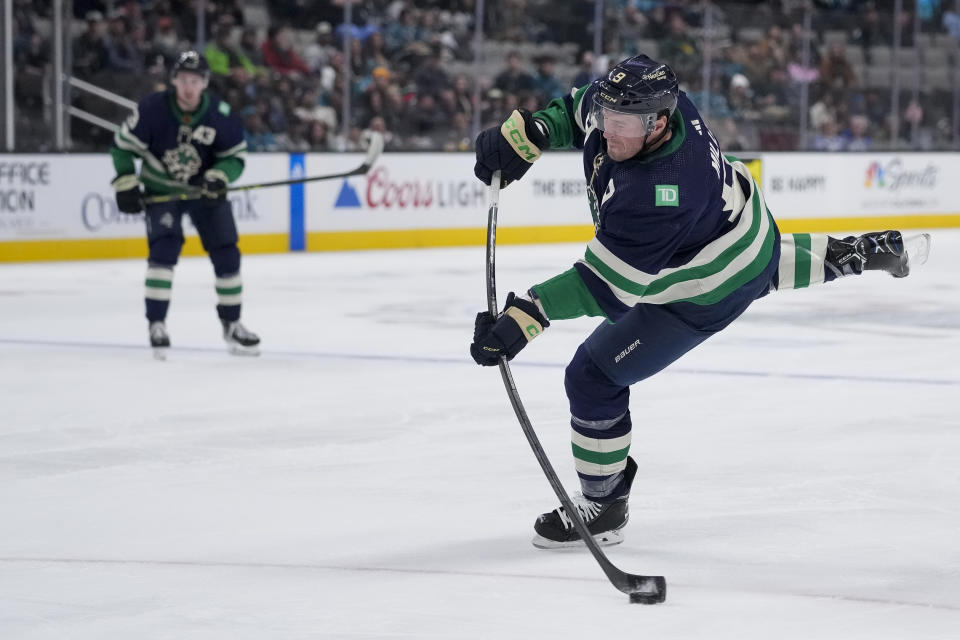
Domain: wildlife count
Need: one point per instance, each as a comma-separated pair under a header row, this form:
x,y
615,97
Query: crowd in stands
x,y
411,74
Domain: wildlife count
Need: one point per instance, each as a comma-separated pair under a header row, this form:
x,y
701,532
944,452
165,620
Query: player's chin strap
x,y
658,140
373,152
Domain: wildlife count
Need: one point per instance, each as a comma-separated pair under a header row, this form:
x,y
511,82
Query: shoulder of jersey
x,y
153,102
220,108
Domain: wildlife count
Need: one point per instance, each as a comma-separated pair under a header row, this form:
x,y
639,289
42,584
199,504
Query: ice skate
x,y
159,339
555,529
240,340
885,251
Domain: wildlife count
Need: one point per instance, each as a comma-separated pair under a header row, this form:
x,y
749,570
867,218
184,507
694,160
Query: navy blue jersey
x,y
679,224
177,147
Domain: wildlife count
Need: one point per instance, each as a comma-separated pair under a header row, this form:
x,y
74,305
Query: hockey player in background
x,y
684,244
188,141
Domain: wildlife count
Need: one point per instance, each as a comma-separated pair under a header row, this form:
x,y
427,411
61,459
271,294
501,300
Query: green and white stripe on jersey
x,y
598,456
802,256
717,270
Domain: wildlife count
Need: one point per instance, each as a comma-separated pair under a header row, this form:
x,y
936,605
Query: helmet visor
x,y
621,124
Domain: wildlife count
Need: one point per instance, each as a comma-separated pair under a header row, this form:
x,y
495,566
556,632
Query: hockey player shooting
x,y
188,140
684,244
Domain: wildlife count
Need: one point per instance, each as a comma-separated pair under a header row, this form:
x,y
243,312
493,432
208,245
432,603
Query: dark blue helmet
x,y
192,62
637,86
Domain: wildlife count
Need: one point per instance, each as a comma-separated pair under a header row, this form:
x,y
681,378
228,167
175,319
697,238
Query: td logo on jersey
x,y
667,195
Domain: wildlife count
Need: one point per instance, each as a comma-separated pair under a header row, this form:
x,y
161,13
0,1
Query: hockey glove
x,y
520,322
214,187
512,147
129,195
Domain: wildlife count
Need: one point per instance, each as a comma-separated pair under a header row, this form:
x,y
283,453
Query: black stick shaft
x,y
376,147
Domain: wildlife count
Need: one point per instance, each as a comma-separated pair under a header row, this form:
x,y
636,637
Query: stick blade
x,y
645,589
375,148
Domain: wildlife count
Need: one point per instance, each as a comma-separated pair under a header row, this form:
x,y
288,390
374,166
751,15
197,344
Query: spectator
x,y
249,47
741,98
680,48
494,108
279,55
318,136
318,53
296,137
463,95
775,95
951,21
90,50
873,31
836,72
122,54
379,125
376,53
585,73
545,83
858,137
431,78
257,136
226,59
823,110
514,79
423,118
828,138
457,136
166,44
630,24
402,32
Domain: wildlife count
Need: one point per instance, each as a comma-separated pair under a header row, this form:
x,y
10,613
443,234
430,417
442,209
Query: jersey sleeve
x,y
229,147
565,118
566,296
132,139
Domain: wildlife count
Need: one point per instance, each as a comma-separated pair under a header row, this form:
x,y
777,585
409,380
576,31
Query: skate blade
x,y
160,353
917,249
240,350
607,539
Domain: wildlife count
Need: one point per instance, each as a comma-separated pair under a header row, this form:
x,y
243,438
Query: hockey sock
x,y
600,449
158,288
229,296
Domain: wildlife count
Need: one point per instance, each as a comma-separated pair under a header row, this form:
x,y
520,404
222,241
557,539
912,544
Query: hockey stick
x,y
641,589
373,152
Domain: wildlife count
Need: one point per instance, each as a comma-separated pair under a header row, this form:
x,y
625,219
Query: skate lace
x,y
588,510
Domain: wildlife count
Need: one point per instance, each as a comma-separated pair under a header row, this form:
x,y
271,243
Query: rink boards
x,y
61,207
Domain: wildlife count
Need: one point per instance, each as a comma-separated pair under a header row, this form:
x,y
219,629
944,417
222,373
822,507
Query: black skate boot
x,y
877,251
159,339
604,520
240,340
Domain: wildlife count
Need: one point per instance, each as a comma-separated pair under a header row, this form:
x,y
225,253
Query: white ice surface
x,y
799,473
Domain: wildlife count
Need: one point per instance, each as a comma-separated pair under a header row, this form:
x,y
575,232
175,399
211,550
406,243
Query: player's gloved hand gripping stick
x,y
373,152
641,589
511,148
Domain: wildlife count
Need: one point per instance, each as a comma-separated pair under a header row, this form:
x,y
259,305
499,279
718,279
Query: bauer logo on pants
x,y
623,354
